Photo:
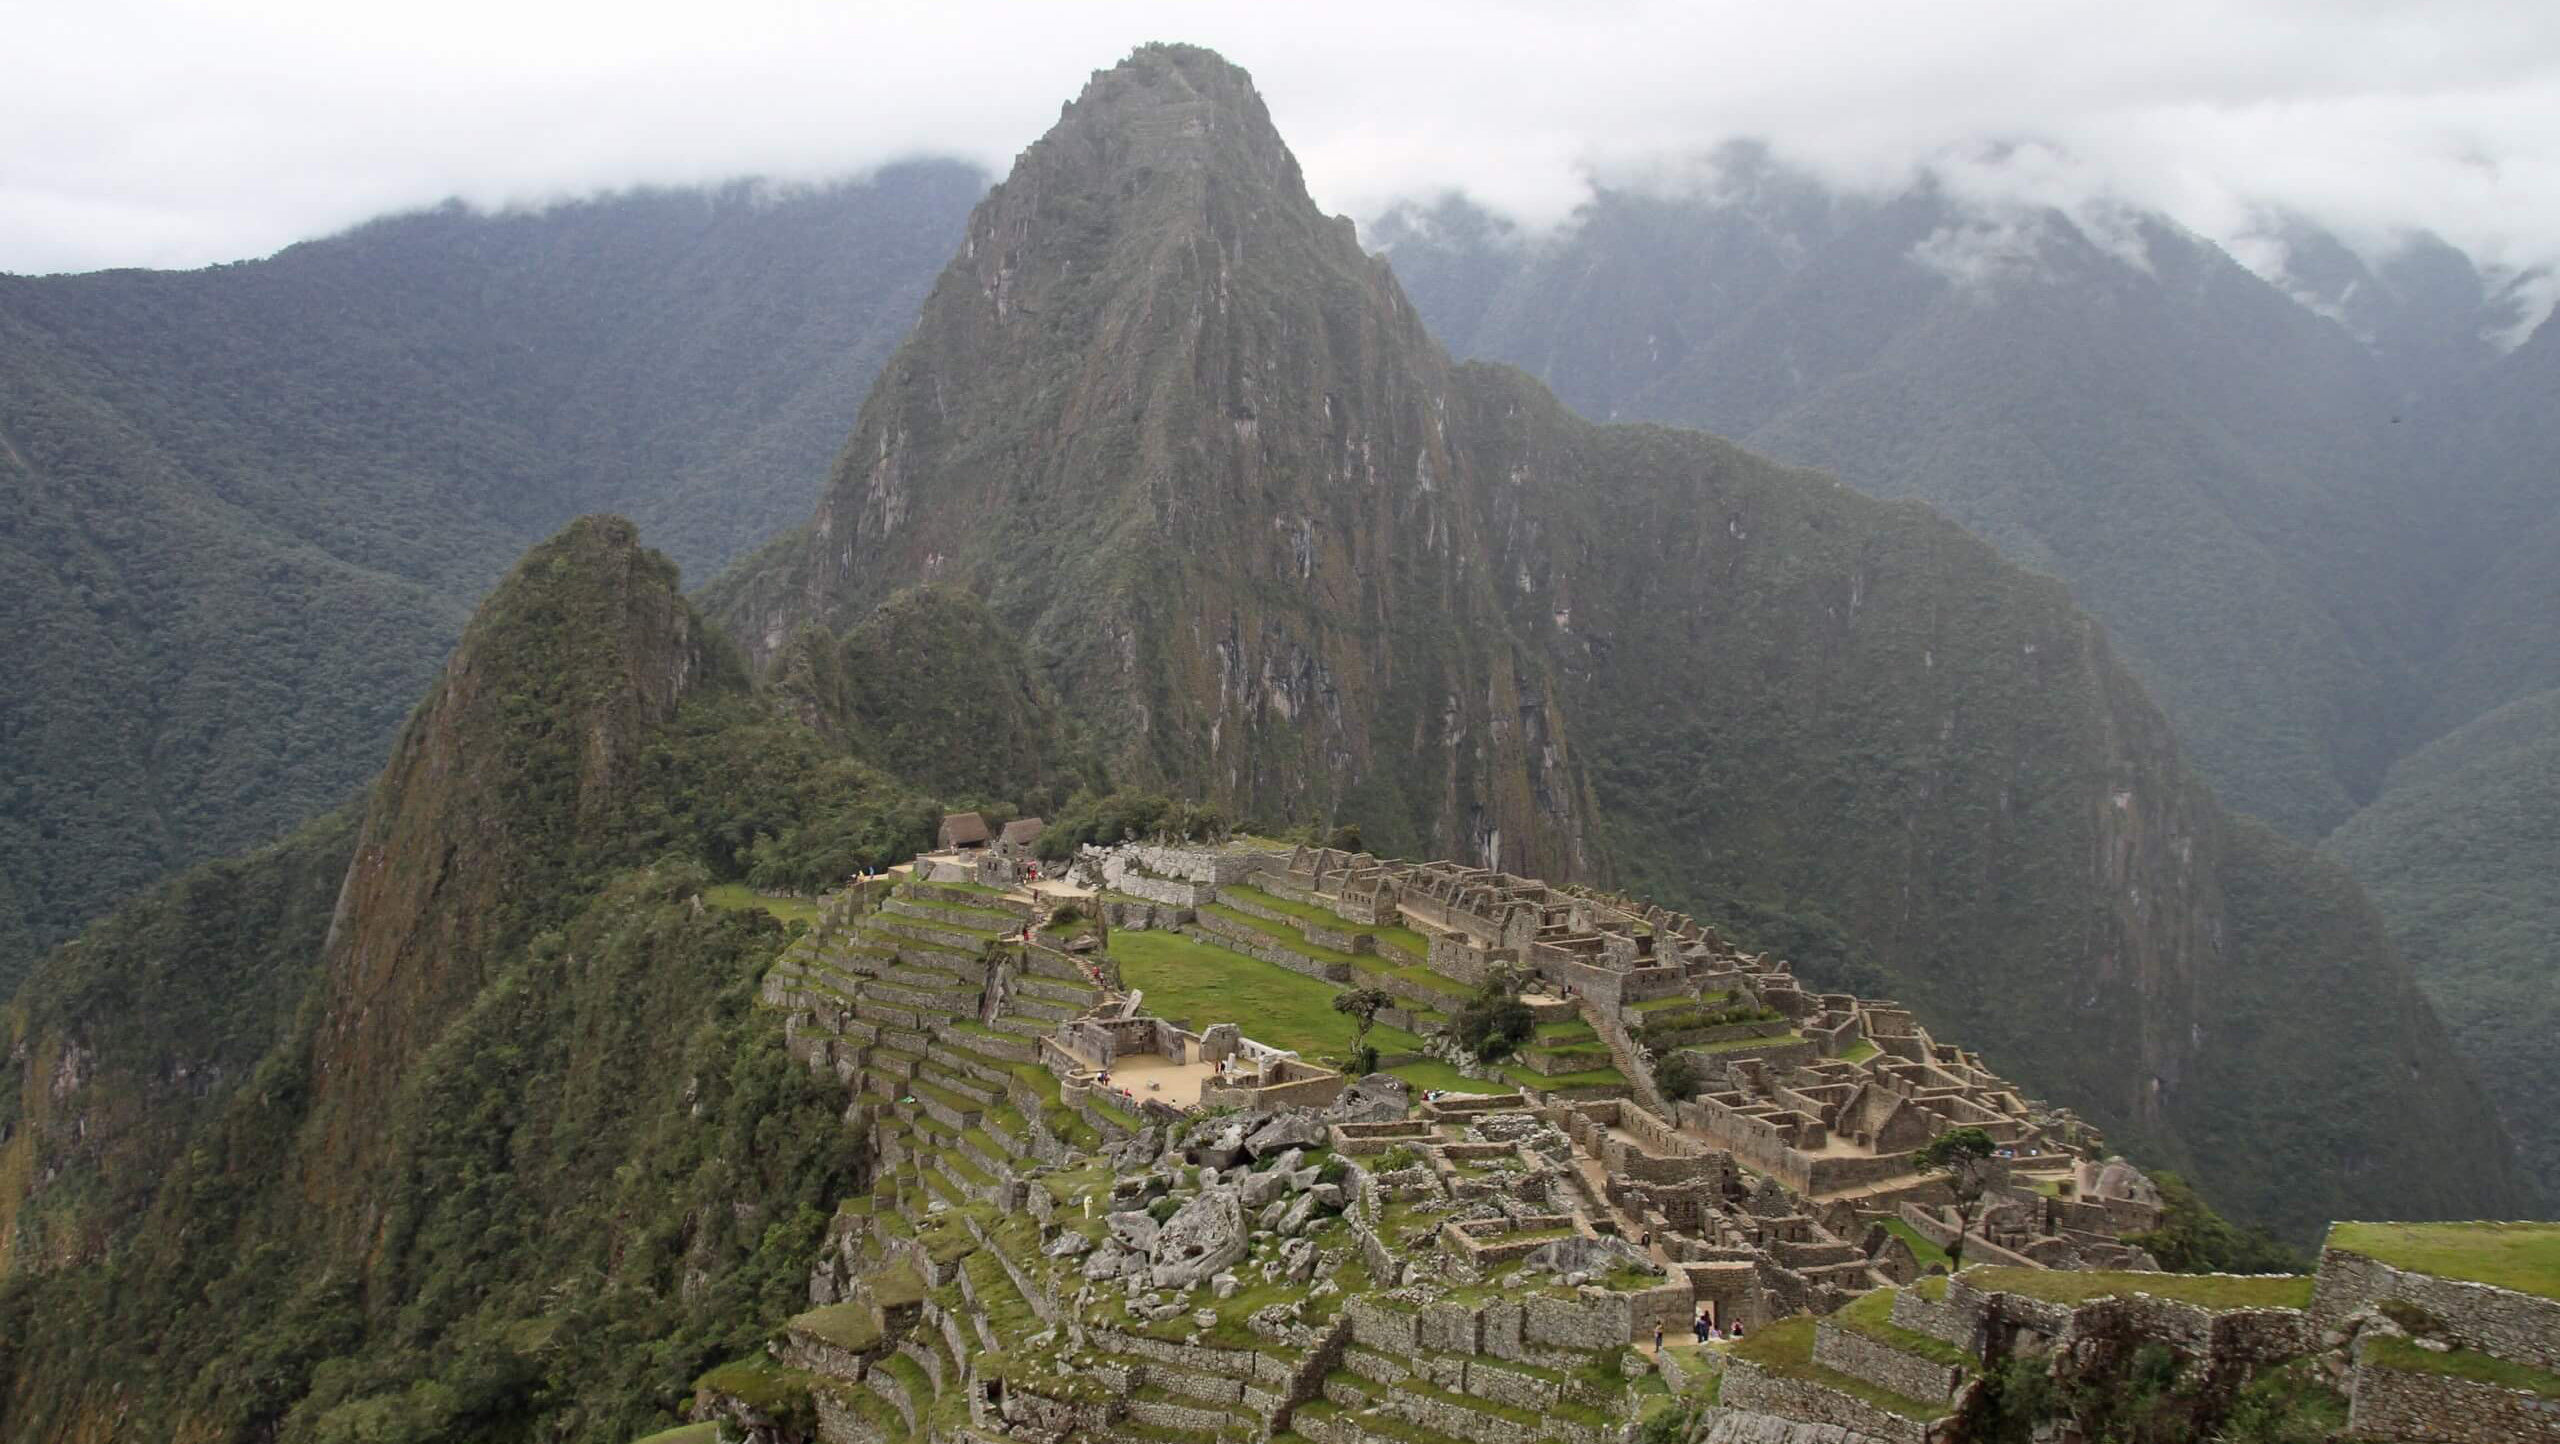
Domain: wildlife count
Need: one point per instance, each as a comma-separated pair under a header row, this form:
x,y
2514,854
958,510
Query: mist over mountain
x,y
248,508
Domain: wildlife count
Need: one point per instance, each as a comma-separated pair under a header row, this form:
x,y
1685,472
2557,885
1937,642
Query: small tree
x,y
1964,1156
1678,1077
1494,1023
1363,1005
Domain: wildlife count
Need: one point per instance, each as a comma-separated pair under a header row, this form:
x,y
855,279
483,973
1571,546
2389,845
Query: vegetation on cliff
x,y
246,510
2460,854
456,1119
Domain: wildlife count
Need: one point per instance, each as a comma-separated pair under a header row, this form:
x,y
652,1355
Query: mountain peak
x,y
1174,105
506,778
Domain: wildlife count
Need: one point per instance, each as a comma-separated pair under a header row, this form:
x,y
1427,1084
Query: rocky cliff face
x,y
1196,449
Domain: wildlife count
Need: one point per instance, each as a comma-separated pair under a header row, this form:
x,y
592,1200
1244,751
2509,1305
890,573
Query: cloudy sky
x,y
178,134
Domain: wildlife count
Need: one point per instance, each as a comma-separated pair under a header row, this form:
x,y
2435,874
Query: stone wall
x,y
1254,943
1454,957
2492,1320
1883,1365
2394,1404
1747,1386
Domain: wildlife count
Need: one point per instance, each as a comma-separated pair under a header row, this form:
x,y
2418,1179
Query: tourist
x,y
1657,1338
1702,1326
1736,1334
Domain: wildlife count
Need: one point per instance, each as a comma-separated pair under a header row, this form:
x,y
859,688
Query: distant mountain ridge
x,y
2219,467
248,508
1273,549
2320,516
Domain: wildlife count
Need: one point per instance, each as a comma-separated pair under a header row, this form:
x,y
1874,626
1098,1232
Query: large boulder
x,y
1202,1238
1297,1128
1136,1231
1257,1190
1378,1098
1222,1150
1590,1256
1112,1260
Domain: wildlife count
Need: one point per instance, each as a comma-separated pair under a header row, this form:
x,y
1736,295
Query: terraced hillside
x,y
961,1292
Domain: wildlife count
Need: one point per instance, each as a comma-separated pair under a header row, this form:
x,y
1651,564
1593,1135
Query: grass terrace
x,y
1199,984
2389,1351
1921,1248
1283,934
1785,1349
1860,1051
1743,1045
1871,1314
2524,1257
1543,1082
685,1434
2206,1291
847,1326
1384,965
738,897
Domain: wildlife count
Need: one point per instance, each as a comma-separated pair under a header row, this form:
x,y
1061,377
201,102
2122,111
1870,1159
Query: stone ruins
x,y
1097,1214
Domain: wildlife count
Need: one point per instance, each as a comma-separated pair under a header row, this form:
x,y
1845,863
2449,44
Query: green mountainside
x,y
245,510
455,1119
2460,854
2320,521
1273,550
2206,461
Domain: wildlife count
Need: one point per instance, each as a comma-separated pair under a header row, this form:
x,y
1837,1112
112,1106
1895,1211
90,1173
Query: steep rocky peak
x,y
508,779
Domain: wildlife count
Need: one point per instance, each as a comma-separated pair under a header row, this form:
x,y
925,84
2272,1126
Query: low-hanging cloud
x,y
158,134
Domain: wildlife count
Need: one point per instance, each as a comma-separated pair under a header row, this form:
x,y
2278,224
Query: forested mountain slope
x,y
453,1118
246,509
2321,518
2462,855
1274,549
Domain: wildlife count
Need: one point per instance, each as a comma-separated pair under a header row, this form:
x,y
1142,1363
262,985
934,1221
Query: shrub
x,y
1678,1076
1493,1025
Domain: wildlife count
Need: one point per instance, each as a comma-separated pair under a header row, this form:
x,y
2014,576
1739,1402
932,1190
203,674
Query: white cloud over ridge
x,y
188,133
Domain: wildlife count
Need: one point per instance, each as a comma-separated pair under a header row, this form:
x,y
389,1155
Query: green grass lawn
x,y
2211,1291
1860,1051
738,897
1432,1073
1200,985
2520,1256
1926,1252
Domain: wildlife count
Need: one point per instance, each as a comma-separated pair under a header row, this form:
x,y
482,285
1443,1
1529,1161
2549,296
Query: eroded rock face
x,y
1204,1237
